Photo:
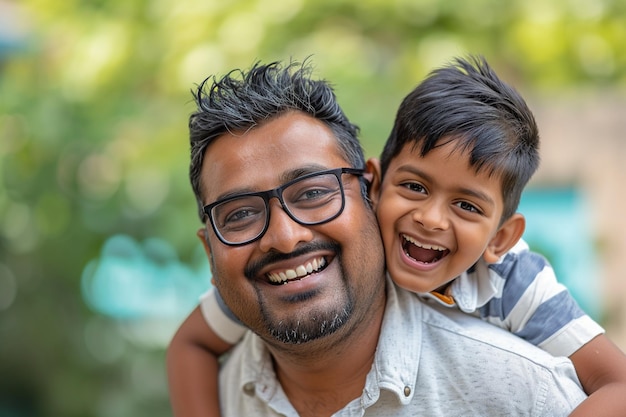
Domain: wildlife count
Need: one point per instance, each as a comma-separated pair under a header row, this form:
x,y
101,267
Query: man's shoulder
x,y
465,363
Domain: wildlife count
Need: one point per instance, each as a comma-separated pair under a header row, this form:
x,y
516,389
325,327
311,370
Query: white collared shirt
x,y
431,361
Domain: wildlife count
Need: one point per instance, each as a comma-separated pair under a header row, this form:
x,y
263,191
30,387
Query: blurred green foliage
x,y
94,100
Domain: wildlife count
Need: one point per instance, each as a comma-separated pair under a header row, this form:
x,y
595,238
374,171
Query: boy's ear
x,y
373,174
506,237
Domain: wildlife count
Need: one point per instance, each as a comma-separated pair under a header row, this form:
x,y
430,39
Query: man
x,y
296,255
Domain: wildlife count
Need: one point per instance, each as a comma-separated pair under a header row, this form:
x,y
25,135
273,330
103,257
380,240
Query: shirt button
x,y
248,388
407,391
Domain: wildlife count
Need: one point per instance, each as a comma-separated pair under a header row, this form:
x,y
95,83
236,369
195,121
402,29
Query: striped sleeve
x,y
533,305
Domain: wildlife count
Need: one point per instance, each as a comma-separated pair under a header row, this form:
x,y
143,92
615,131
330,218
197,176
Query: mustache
x,y
251,271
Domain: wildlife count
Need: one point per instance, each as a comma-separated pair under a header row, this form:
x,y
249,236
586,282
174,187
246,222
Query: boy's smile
x,y
423,252
437,216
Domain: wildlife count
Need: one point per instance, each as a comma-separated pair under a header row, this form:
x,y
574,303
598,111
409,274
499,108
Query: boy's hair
x,y
241,101
467,103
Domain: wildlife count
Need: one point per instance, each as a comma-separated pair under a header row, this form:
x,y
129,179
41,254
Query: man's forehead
x,y
269,155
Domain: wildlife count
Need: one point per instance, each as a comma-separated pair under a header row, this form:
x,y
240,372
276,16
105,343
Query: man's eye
x,y
314,193
241,215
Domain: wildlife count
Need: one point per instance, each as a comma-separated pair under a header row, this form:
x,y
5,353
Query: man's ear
x,y
203,235
505,238
373,173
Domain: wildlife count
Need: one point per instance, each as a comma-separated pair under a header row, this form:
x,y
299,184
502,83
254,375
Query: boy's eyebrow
x,y
478,194
469,191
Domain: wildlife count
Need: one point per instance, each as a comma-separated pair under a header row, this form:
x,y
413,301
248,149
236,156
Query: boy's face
x,y
437,216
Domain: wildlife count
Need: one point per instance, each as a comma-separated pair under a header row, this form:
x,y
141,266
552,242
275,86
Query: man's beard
x,y
317,325
309,325
312,325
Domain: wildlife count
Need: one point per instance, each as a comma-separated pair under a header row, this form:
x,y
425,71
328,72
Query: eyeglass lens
x,y
311,200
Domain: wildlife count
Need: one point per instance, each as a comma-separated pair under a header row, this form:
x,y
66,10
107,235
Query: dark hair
x,y
467,103
241,100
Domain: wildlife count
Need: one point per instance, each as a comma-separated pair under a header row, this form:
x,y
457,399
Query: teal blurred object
x,y
558,227
132,280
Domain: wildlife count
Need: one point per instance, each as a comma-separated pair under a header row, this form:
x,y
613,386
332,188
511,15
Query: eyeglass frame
x,y
278,193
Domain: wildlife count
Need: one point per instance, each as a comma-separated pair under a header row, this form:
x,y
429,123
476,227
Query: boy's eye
x,y
464,205
414,186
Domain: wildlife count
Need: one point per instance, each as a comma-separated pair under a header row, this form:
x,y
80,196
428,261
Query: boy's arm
x,y
601,368
600,365
192,368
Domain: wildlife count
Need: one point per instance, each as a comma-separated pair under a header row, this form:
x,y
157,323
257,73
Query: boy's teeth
x,y
299,272
422,245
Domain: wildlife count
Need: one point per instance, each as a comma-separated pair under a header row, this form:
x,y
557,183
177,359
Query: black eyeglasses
x,y
309,200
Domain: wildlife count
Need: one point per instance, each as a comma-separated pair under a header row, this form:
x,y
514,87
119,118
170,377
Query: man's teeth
x,y
299,272
423,245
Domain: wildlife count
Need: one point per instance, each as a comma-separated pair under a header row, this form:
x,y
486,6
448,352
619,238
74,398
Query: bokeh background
x,y
98,256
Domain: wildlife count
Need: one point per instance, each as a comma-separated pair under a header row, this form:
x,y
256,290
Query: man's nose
x,y
283,233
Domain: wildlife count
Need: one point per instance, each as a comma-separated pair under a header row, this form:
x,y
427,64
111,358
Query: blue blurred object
x,y
558,227
13,30
133,281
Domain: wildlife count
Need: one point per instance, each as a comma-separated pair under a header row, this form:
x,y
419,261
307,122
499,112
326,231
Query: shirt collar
x,y
395,364
470,290
475,287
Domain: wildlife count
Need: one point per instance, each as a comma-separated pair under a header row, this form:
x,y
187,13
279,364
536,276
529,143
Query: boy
x,y
463,146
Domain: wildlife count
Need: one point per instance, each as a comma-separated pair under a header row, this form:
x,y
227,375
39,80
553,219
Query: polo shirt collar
x,y
395,367
397,358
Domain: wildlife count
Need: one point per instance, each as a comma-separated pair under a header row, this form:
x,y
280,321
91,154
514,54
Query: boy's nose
x,y
431,216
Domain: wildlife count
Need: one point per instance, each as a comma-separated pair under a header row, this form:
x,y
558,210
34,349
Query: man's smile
x,y
297,273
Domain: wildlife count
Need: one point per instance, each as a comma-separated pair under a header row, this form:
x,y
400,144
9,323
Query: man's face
x,y
344,256
437,216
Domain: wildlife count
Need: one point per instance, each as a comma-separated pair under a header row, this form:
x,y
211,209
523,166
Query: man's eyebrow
x,y
232,193
285,177
301,171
